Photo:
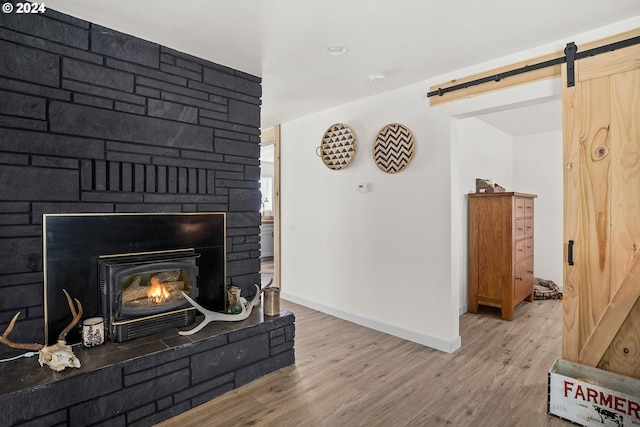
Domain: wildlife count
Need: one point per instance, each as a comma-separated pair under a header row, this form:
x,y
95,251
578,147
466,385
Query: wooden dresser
x,y
500,250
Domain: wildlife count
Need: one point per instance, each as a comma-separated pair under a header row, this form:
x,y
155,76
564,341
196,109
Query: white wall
x,y
391,259
379,258
538,170
484,152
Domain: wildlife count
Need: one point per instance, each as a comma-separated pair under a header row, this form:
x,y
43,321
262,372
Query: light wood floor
x,y
348,375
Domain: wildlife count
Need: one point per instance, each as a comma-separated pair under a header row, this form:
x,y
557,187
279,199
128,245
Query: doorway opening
x,y
270,205
519,147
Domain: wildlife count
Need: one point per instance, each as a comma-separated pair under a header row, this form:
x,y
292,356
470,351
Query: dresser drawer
x,y
528,208
520,250
520,207
528,227
523,280
519,232
524,249
528,247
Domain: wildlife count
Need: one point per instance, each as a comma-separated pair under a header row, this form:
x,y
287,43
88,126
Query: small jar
x,y
271,301
233,295
92,331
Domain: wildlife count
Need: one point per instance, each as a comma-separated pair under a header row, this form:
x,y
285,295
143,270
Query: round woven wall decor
x,y
393,148
338,146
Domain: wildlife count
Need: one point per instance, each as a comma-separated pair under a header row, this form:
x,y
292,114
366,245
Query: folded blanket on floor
x,y
546,289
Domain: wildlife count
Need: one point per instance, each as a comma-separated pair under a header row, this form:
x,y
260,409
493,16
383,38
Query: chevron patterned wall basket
x,y
393,148
338,146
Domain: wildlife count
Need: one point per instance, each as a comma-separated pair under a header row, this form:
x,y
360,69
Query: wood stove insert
x,y
143,293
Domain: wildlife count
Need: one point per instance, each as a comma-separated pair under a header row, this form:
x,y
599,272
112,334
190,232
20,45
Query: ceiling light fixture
x,y
336,49
377,78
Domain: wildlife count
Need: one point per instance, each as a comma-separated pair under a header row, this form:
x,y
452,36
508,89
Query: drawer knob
x,y
519,278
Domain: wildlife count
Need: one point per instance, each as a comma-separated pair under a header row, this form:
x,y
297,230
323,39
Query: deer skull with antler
x,y
58,356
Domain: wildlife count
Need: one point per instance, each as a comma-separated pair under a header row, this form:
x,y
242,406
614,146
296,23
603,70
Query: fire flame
x,y
157,293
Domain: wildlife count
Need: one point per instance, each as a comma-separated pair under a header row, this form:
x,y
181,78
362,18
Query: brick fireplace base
x,y
147,380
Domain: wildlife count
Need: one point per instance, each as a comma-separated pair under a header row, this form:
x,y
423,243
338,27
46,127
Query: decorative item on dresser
x,y
500,250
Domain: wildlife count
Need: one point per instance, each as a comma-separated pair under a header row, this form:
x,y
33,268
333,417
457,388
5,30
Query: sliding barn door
x,y
601,114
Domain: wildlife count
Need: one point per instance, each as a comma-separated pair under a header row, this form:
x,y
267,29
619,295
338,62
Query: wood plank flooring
x,y
349,375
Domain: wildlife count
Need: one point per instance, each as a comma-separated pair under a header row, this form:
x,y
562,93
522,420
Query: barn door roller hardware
x,y
571,55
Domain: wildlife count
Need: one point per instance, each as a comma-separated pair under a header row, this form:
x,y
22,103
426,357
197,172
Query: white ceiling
x,y
284,41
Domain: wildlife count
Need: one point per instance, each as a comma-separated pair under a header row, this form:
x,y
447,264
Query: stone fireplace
x,y
96,121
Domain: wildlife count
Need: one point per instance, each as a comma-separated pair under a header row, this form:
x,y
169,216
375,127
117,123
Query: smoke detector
x,y
377,78
336,49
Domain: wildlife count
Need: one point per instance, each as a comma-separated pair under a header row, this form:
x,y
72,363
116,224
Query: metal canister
x,y
271,301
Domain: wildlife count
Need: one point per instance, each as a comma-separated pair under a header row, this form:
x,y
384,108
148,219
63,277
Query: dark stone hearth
x,y
147,380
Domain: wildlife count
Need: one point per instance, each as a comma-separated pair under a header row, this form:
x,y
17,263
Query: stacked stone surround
x,y
148,380
93,120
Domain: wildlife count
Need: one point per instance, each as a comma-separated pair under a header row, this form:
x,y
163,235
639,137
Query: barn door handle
x,y
570,252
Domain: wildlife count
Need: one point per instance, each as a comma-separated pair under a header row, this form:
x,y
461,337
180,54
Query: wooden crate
x,y
592,397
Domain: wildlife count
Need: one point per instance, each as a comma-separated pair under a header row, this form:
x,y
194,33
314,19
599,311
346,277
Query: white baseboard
x,y
426,340
463,309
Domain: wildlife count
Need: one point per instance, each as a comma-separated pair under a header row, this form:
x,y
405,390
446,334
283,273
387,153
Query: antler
x,y
76,316
210,316
4,338
57,356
